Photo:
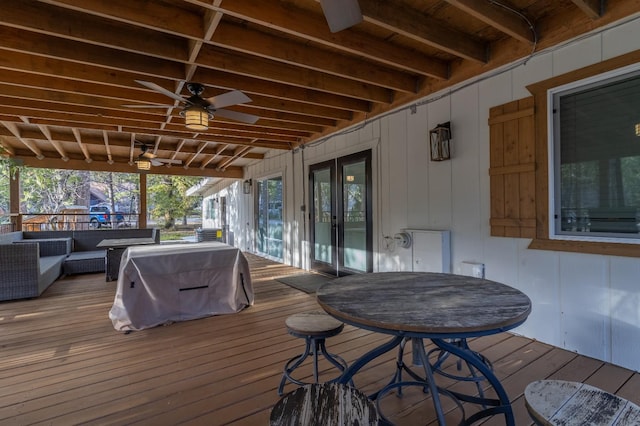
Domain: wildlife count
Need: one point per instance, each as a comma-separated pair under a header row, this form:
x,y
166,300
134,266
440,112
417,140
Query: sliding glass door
x,y
341,222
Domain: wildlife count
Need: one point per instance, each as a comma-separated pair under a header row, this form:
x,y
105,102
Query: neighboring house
x,y
96,195
582,301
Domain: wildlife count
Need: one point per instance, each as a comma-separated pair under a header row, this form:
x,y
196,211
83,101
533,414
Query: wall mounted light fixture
x,y
439,141
246,186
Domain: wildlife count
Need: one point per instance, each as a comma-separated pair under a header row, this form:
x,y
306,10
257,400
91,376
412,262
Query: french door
x,y
269,223
340,215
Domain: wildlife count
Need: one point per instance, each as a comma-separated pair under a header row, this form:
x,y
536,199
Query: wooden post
x,y
142,217
14,200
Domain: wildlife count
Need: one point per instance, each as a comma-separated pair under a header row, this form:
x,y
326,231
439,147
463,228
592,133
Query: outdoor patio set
x,y
31,261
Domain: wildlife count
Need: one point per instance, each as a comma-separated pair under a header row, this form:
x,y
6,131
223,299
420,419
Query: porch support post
x,y
14,200
142,217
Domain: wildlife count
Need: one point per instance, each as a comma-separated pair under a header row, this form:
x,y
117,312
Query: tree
x,y
4,189
47,190
168,198
121,190
8,168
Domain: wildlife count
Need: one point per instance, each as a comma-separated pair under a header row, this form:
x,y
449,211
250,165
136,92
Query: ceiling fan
x,y
147,159
341,14
197,110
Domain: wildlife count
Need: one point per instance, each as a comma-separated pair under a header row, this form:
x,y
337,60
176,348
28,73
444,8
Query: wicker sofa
x,y
86,257
31,261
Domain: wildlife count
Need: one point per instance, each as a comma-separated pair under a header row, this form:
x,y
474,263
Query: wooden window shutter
x,y
512,169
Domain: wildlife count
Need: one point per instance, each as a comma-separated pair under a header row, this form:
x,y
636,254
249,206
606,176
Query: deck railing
x,y
67,221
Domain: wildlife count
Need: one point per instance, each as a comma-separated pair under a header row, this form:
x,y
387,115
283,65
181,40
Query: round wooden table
x,y
440,307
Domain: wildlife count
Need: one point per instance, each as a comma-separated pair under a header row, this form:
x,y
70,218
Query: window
x,y
594,166
210,211
570,180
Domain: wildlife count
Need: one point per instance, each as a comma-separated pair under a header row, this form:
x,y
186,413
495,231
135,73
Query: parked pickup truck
x,y
101,216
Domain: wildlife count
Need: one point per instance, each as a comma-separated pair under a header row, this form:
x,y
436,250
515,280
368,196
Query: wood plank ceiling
x,y
69,67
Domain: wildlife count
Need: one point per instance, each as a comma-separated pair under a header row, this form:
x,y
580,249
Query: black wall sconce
x,y
246,186
439,141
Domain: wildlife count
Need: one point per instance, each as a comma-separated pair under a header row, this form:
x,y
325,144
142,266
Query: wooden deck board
x,y
63,363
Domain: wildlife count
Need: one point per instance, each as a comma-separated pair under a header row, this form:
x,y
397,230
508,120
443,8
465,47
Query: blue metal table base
x,y
442,356
313,346
473,360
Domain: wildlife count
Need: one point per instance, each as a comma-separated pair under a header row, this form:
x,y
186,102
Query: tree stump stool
x,y
326,404
314,327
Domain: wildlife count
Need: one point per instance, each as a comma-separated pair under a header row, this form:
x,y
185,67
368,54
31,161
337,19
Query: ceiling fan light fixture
x,y
143,164
196,118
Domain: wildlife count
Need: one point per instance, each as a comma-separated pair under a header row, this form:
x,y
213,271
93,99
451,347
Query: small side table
x,y
115,247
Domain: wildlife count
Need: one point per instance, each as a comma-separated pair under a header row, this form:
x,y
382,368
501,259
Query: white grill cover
x,y
159,284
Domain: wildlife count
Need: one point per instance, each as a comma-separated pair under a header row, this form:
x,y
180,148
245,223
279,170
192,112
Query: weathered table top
x,y
321,404
558,402
430,304
125,242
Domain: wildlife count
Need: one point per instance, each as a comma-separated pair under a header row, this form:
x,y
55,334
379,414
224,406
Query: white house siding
x,y
581,302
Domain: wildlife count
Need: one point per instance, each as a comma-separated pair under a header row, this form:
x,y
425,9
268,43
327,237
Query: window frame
x,y
542,241
553,148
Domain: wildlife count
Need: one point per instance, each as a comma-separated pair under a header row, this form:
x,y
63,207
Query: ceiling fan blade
x,y
148,154
238,116
234,97
341,14
148,106
160,89
161,161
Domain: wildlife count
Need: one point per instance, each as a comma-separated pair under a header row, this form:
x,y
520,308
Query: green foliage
x,y
47,190
168,200
8,168
175,235
4,187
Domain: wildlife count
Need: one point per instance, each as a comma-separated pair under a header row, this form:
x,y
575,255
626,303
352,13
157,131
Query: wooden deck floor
x,y
63,363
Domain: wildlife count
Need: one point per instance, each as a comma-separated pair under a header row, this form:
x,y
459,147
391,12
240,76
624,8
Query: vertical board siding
x,y
435,196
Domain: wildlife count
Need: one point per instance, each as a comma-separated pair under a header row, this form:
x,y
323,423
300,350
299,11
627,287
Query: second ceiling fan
x,y
197,110
146,159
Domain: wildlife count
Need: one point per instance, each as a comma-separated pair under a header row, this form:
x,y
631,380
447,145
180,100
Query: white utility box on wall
x,y
430,250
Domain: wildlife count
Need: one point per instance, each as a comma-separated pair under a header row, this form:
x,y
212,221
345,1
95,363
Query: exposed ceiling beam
x,y
592,8
100,166
420,27
45,131
498,17
15,131
300,23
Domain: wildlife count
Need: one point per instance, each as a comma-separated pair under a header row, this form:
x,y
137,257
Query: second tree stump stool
x,y
314,327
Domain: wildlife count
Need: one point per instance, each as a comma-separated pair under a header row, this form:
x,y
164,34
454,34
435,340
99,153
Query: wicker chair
x,y
24,269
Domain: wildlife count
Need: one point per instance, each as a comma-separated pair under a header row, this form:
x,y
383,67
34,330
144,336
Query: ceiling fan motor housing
x,y
195,88
196,101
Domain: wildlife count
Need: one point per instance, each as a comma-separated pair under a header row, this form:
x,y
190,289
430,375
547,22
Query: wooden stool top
x,y
314,323
327,404
557,402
